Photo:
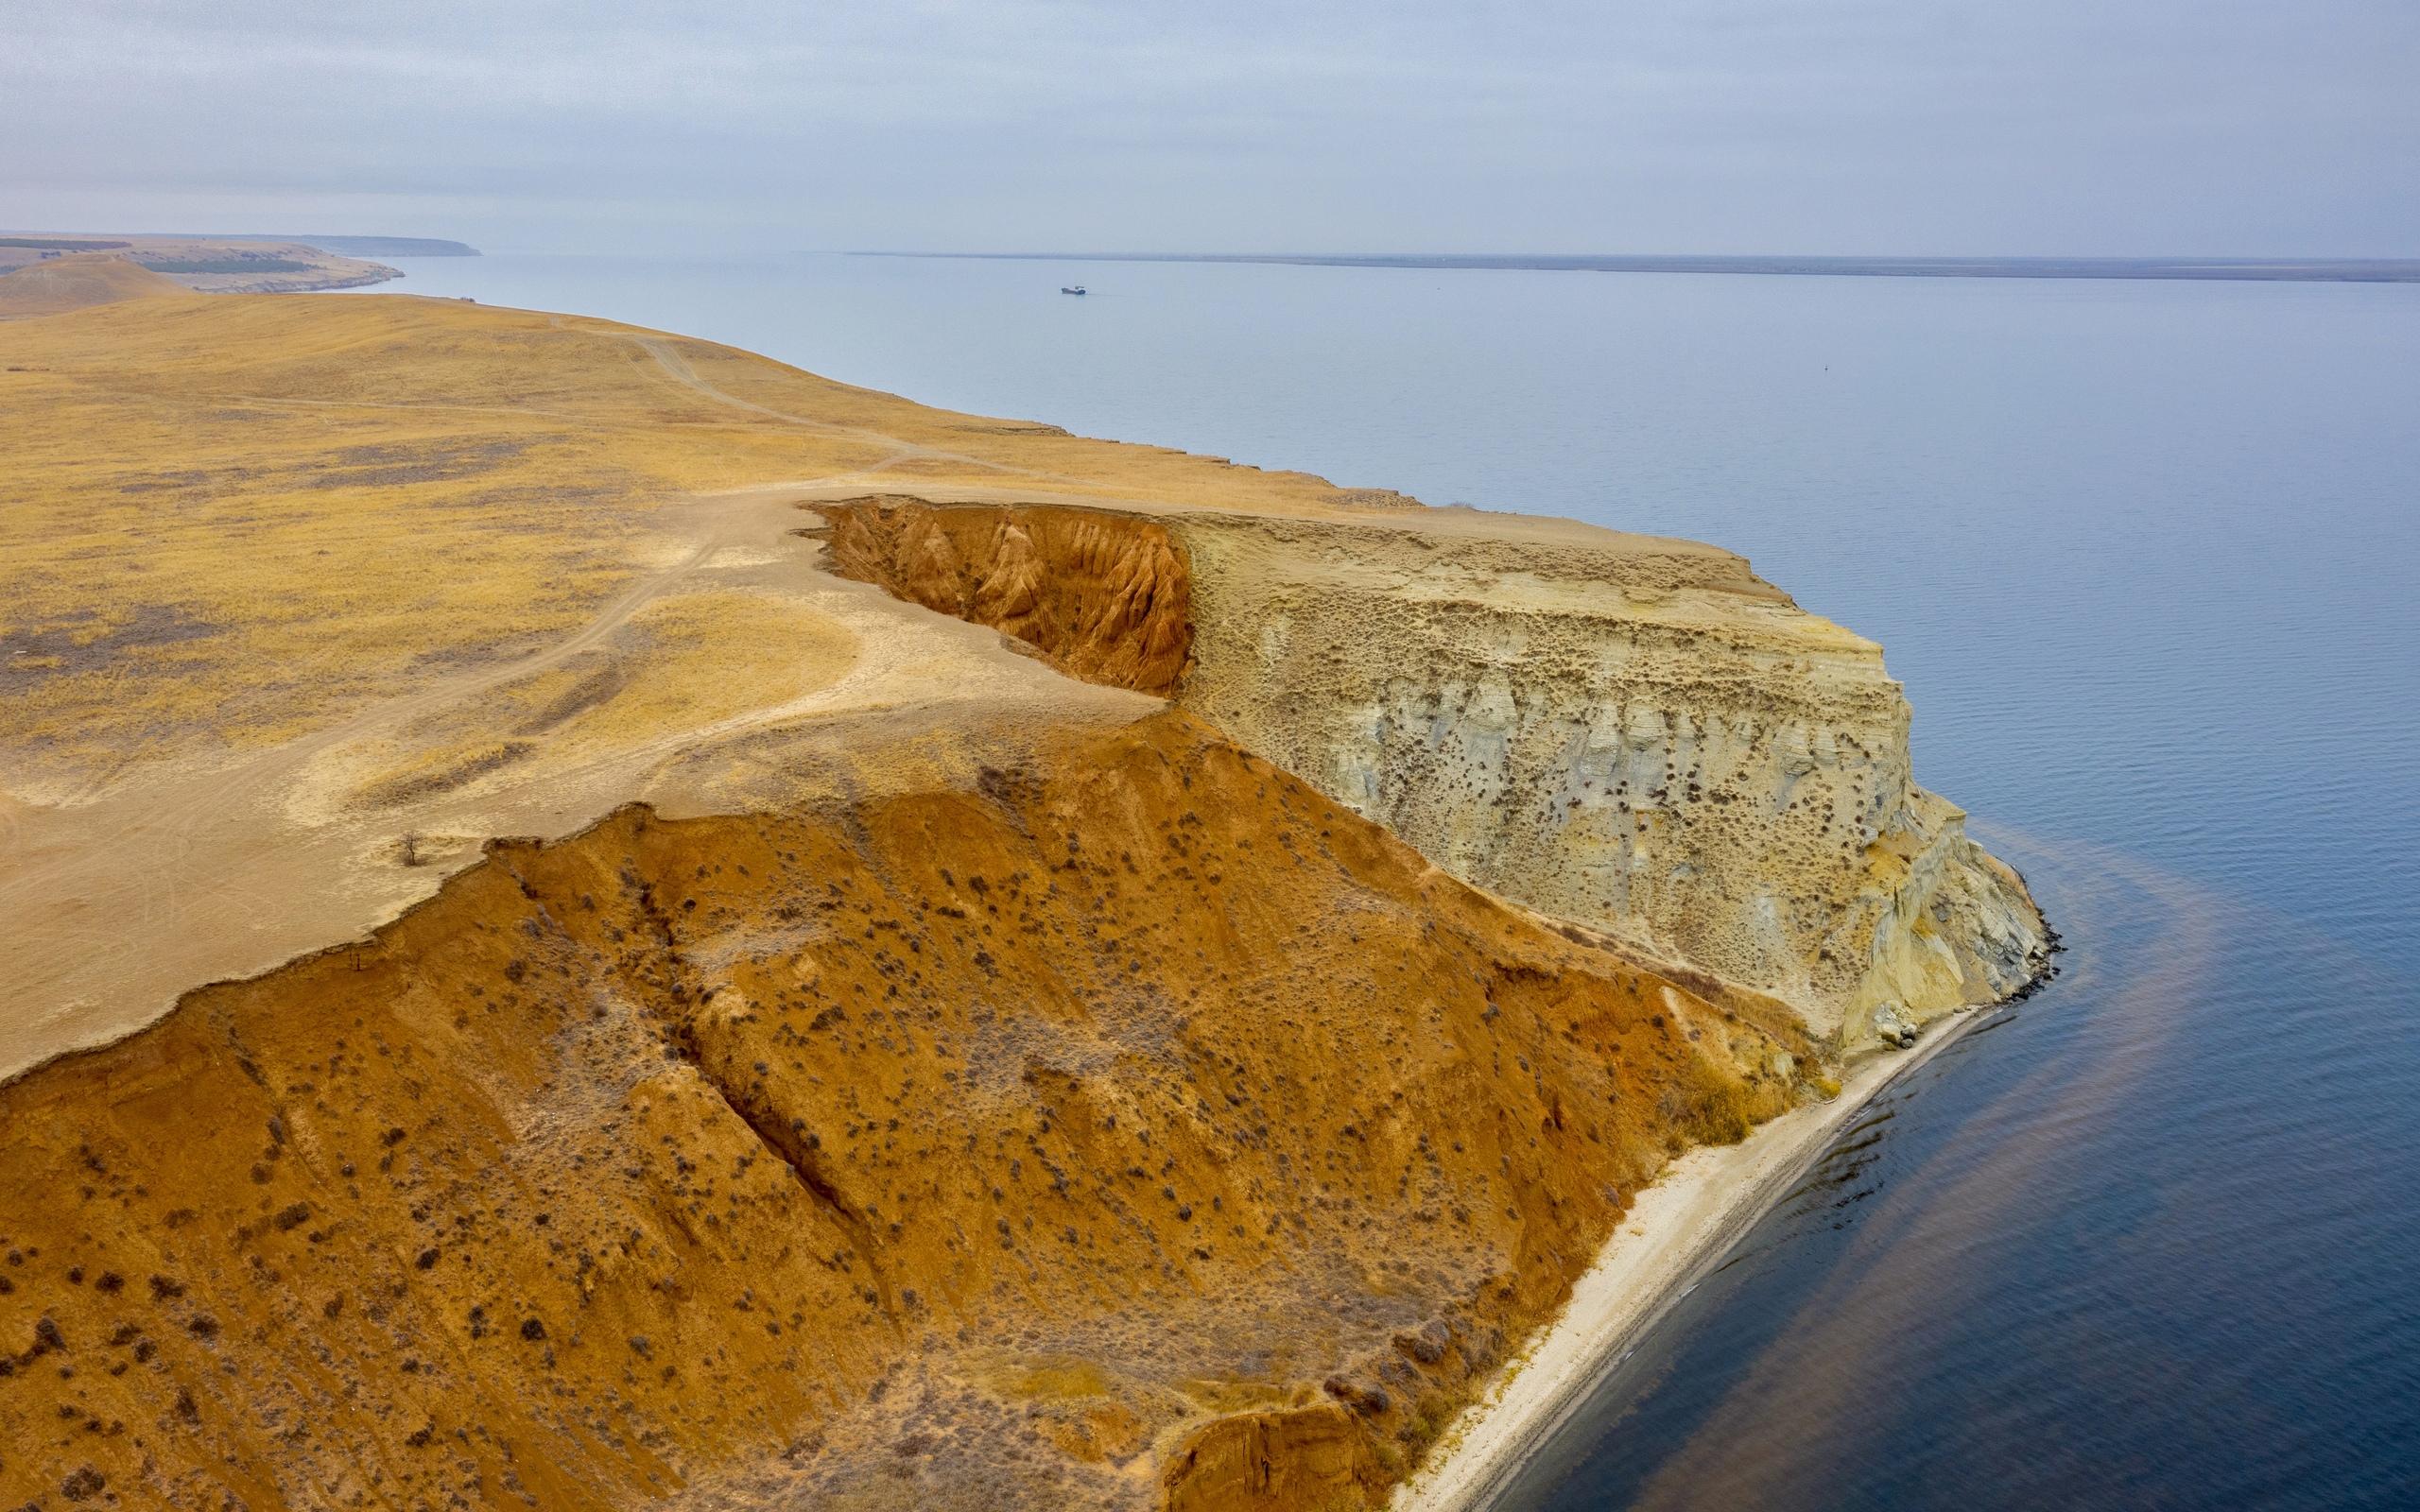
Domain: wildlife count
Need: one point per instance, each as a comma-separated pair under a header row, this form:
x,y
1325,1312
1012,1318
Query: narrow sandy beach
x,y
1675,1232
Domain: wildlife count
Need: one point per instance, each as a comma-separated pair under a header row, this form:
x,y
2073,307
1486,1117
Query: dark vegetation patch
x,y
581,696
83,1484
426,784
387,467
241,264
220,481
71,643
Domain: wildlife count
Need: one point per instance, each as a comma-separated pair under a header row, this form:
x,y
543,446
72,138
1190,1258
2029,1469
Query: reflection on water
x,y
2018,1284
2144,555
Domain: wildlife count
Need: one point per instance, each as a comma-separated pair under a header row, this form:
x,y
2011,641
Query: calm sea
x,y
2148,558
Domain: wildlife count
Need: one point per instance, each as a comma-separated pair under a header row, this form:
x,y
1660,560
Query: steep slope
x,y
1106,598
1637,734
969,1147
1641,739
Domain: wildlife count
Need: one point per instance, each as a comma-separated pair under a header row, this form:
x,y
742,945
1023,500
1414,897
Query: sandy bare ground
x,y
184,873
1677,1230
159,870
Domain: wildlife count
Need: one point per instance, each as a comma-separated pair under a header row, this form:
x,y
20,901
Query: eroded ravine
x,y
1105,596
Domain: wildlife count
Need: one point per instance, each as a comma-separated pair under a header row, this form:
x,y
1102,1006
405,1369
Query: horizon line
x,y
2311,270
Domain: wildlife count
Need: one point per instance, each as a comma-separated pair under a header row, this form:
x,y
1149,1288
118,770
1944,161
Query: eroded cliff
x,y
1639,735
959,1085
1103,596
963,1148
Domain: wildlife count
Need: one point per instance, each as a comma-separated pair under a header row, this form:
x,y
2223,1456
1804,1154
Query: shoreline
x,y
1676,1231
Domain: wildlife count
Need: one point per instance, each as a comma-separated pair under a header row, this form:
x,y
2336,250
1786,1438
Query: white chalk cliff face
x,y
1634,735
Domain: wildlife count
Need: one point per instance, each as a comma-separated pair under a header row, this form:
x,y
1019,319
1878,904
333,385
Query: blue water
x,y
2147,555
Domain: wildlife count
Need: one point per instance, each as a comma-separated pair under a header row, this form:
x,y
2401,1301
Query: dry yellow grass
x,y
301,598
236,520
79,282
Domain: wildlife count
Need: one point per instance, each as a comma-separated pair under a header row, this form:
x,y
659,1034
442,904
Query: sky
x,y
2136,127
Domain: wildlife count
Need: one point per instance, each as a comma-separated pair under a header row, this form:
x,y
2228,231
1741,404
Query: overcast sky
x,y
2125,127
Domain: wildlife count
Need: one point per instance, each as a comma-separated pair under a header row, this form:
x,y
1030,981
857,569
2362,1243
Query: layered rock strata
x,y
1638,735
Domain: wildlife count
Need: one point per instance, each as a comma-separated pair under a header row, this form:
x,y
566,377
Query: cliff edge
x,y
1631,733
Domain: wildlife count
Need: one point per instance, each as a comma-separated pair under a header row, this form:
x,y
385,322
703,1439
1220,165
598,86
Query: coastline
x,y
373,767
1676,1231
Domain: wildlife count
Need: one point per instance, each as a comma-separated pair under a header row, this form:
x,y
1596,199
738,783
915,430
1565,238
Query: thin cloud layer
x,y
2206,127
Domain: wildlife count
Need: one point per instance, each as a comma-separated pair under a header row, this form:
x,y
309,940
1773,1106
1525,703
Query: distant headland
x,y
235,265
376,246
